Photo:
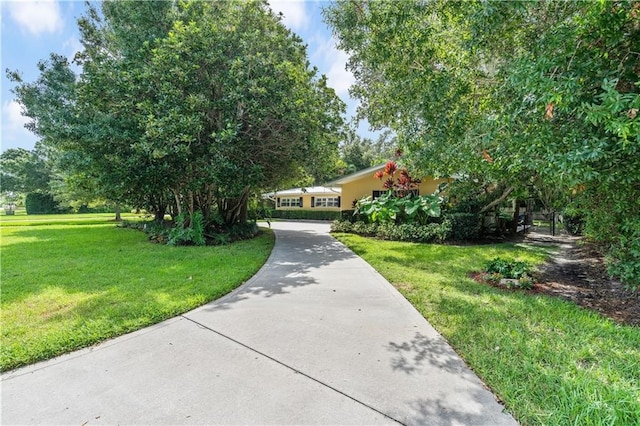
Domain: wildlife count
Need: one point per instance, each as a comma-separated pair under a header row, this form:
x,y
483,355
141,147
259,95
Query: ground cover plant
x,y
550,361
70,285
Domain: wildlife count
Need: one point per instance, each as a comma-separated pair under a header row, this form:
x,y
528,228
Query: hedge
x,y
430,233
40,203
305,214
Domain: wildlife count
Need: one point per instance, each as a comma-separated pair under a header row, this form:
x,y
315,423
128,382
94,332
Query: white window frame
x,y
326,202
289,201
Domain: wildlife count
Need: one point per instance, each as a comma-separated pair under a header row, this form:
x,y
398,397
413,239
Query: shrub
x,y
508,268
391,208
464,226
191,234
624,257
365,229
341,225
433,232
242,231
573,223
40,203
306,214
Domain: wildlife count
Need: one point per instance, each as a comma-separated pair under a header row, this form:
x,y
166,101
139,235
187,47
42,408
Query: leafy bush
x,y
391,208
342,225
432,232
260,212
40,203
624,257
515,272
187,234
365,229
242,231
464,226
508,268
306,214
573,222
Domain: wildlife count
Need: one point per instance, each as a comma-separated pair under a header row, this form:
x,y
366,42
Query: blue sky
x,y
31,30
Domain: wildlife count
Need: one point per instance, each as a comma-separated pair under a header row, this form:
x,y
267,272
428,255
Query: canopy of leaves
x,y
514,94
190,104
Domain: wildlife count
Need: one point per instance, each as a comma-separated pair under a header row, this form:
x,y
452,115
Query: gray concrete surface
x,y
316,337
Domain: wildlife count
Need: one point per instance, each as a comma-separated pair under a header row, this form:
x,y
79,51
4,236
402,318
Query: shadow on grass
x,y
547,358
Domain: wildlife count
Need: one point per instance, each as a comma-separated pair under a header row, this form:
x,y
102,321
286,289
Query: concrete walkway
x,y
316,337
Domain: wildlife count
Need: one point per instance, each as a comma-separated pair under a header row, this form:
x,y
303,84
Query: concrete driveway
x,y
317,336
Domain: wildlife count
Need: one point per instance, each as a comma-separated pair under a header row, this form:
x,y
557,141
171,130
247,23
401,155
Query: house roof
x,y
357,175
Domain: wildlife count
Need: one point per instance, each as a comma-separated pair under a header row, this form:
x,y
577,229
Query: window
x,y
326,202
290,202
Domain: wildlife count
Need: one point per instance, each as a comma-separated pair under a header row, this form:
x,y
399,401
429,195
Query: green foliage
x,y
24,171
40,203
516,96
242,231
515,274
391,208
464,226
187,231
573,222
508,268
305,214
189,105
359,153
624,258
432,232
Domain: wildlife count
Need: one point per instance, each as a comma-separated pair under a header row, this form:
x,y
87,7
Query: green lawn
x,y
22,219
67,286
550,361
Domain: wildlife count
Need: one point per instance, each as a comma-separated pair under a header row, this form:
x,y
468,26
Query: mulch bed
x,y
578,273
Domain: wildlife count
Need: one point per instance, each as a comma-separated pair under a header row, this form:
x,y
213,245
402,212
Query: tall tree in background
x,y
511,94
189,104
358,153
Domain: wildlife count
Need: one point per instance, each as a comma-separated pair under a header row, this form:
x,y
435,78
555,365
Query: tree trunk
x,y
158,215
516,215
118,215
497,201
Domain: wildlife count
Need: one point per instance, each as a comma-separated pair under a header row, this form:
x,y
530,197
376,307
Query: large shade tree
x,y
515,95
186,105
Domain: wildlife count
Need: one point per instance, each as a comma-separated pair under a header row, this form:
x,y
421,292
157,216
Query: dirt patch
x,y
578,273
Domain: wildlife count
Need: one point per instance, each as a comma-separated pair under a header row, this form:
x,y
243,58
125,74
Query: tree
x,y
188,105
358,152
24,171
513,94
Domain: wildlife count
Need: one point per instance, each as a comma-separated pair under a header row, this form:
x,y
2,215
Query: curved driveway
x,y
317,336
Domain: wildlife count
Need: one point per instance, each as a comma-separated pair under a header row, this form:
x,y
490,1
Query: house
x,y
342,193
318,198
363,183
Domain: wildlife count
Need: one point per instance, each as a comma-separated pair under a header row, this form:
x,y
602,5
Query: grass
x,y
549,360
70,285
22,219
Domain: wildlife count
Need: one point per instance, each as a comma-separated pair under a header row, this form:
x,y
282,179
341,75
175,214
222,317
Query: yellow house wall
x,y
367,184
306,202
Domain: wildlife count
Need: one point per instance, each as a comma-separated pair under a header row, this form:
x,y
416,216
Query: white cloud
x,y
12,115
37,17
295,14
335,64
13,132
72,46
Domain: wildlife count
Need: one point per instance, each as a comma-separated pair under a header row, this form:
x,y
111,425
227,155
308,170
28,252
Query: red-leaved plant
x,y
399,181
